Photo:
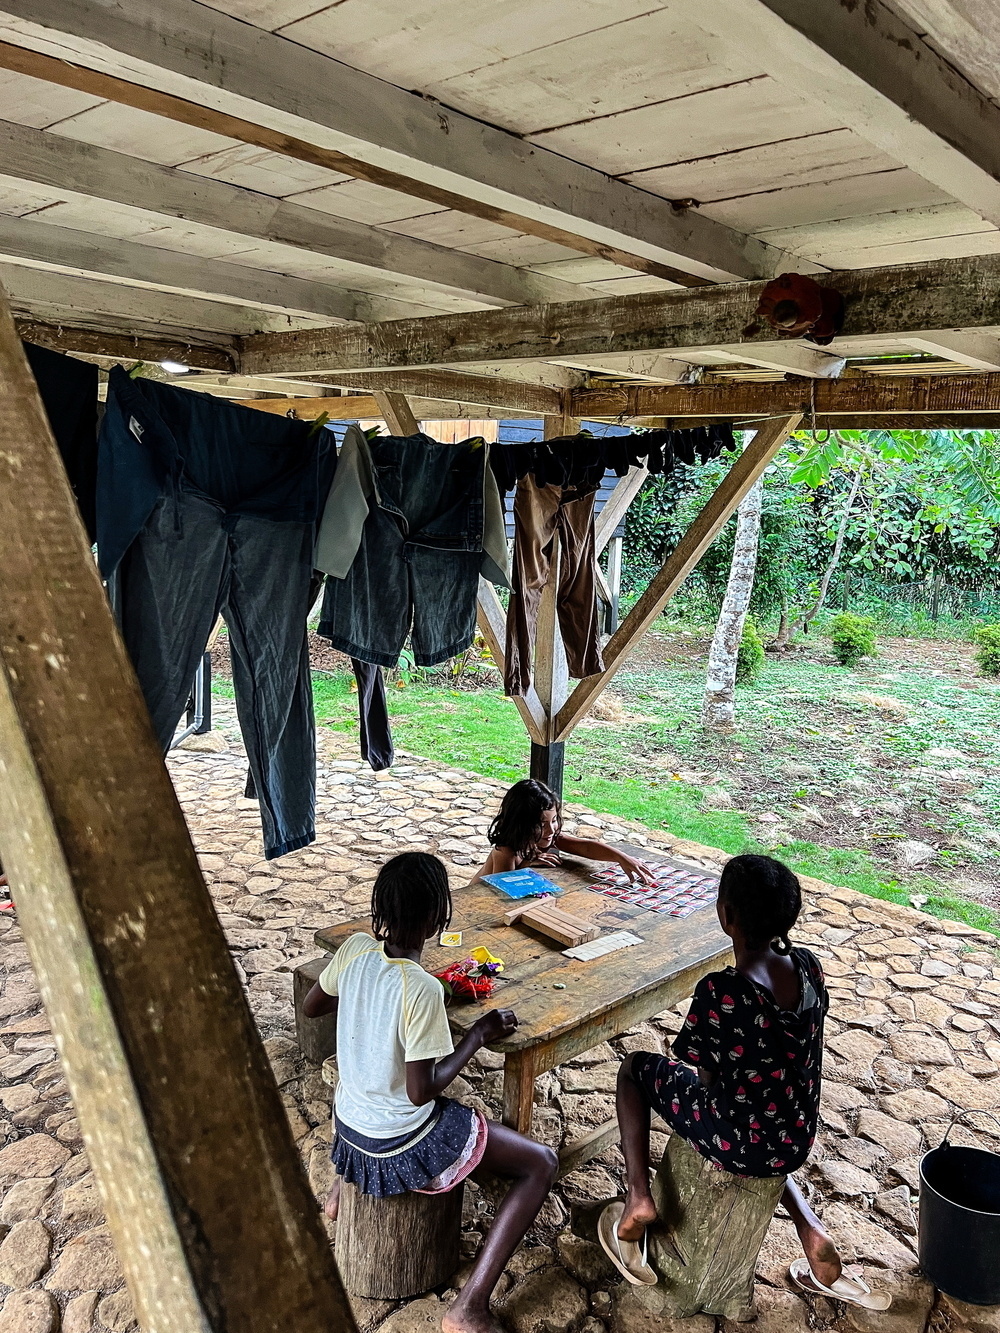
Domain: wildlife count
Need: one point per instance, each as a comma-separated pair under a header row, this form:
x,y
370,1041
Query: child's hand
x,y
547,859
636,870
495,1025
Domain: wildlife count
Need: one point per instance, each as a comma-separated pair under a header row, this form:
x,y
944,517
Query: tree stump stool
x,y
392,1248
317,1037
718,1222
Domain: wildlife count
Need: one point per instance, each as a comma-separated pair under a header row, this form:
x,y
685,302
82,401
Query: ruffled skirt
x,y
434,1158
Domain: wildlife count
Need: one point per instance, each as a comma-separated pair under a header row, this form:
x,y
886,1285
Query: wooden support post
x,y
615,578
490,617
396,412
205,1194
717,511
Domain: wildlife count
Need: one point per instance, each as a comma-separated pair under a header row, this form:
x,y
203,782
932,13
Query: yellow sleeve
x,y
426,1034
329,978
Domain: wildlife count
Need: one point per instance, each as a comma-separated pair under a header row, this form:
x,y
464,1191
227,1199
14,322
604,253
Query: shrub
x,y
852,637
750,654
987,641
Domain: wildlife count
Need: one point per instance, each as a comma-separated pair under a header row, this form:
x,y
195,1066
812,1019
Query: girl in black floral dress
x,y
744,1087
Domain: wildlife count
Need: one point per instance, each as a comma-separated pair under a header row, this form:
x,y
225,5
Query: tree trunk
x,y
824,586
389,1249
718,711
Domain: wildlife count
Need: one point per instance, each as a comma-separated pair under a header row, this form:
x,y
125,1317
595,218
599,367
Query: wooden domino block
x,y
552,922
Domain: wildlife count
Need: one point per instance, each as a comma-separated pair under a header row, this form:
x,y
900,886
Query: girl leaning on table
x,y
528,832
395,1131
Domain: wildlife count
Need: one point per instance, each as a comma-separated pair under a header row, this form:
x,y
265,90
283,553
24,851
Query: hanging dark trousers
x,y
206,509
542,515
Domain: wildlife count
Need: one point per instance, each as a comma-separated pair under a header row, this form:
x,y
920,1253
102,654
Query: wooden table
x,y
601,999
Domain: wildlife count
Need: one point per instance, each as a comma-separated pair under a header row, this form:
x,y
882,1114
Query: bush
x,y
987,641
852,637
750,654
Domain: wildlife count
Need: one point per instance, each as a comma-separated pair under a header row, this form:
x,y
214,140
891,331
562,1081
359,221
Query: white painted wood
x,y
34,102
143,266
794,159
968,349
189,50
791,356
424,43
891,228
828,201
867,67
635,365
140,134
533,252
267,173
756,110
364,202
39,157
918,252
966,31
596,74
98,303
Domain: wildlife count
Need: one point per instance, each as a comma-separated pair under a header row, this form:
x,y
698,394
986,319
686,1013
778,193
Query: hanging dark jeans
x,y
191,563
543,515
416,570
208,509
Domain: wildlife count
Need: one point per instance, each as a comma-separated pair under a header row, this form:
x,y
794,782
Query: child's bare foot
x,y
819,1249
640,1211
332,1205
463,1318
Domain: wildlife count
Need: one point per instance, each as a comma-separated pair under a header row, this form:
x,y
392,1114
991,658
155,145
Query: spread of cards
x,y
674,891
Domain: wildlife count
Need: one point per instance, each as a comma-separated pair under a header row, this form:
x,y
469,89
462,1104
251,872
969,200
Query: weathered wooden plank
x,y
692,546
101,173
92,345
452,386
372,131
877,74
205,1194
83,253
945,294
861,395
395,411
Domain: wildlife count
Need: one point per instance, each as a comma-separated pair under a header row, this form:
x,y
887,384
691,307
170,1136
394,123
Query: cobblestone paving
x,y
914,1034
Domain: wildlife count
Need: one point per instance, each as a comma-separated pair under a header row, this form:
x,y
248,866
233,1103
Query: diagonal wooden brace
x,y
717,511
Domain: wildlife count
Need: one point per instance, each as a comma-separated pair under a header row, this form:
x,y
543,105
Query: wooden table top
x,y
671,946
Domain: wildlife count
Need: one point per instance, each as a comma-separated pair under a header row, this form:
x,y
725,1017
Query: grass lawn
x,y
841,774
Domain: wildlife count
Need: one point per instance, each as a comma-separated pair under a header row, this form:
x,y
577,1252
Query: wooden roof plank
x,y
315,108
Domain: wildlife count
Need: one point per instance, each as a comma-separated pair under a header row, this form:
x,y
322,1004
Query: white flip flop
x,y
628,1256
852,1290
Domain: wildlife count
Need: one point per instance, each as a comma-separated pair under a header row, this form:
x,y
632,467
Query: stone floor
x,y
914,1033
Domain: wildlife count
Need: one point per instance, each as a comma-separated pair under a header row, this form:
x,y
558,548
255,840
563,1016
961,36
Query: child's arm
x,y
317,1002
427,1079
601,851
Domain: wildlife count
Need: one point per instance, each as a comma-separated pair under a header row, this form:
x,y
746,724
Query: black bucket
x,y
959,1242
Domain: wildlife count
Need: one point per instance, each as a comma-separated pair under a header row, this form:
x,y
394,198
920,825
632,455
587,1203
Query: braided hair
x,y
764,897
411,900
519,823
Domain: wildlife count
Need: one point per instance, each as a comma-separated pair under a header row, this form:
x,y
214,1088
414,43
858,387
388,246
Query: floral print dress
x,y
757,1114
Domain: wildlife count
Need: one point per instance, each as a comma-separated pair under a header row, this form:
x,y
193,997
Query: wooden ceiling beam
x,y
890,86
113,348
453,386
60,164
944,294
83,254
195,65
857,397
